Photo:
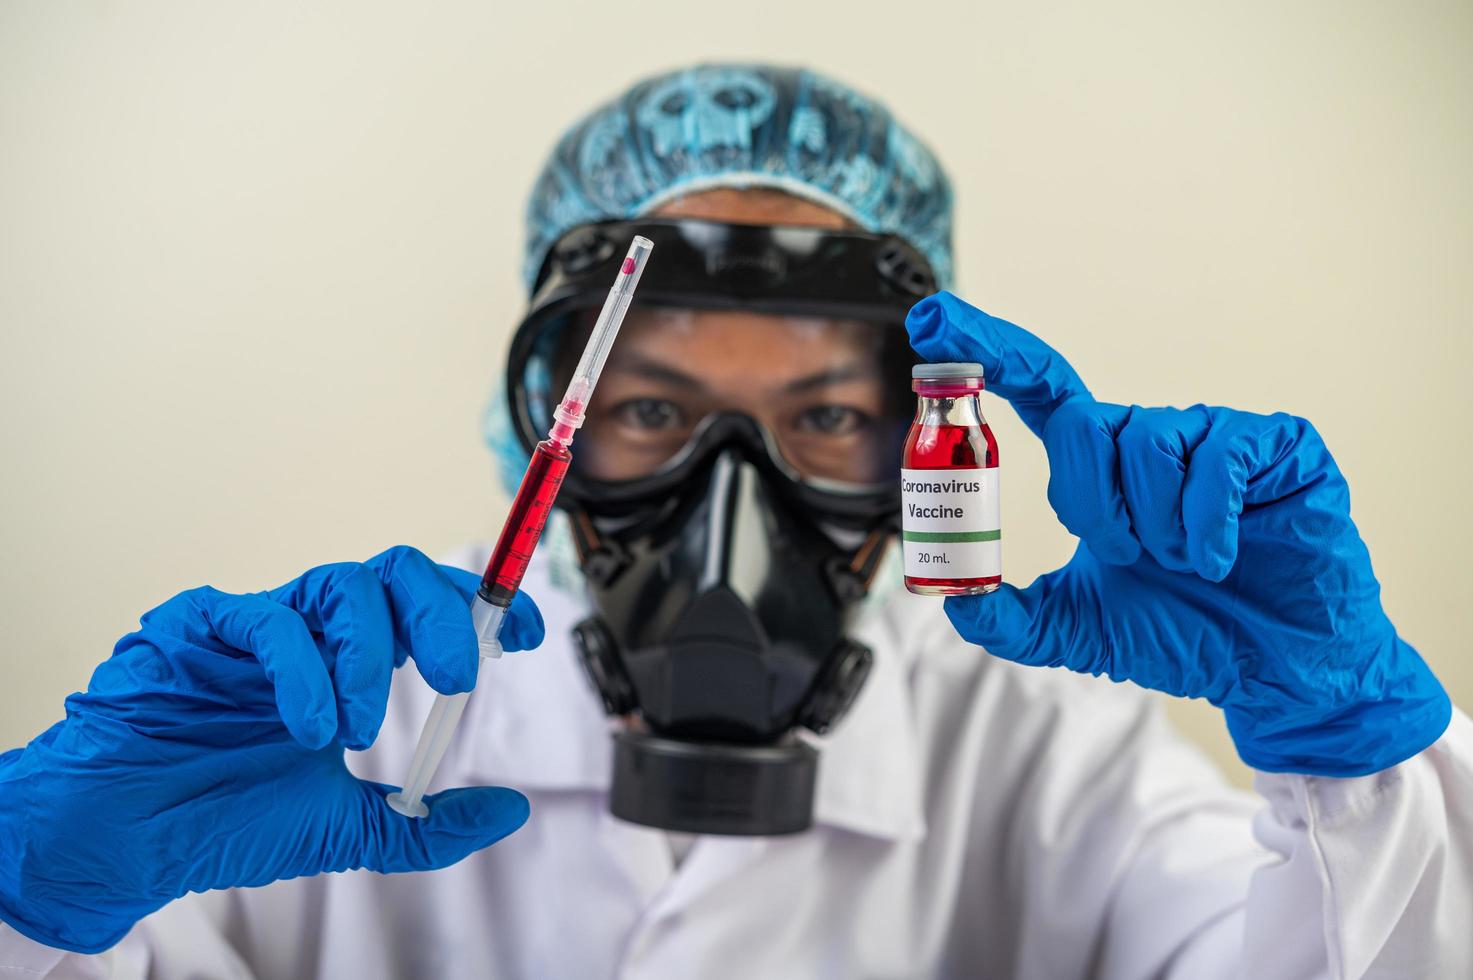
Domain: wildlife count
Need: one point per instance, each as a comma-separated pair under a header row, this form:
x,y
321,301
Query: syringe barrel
x,y
524,522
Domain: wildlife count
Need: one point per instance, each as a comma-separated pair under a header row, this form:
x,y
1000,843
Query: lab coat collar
x,y
539,725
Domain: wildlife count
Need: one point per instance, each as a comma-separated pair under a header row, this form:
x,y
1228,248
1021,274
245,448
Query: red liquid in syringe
x,y
525,521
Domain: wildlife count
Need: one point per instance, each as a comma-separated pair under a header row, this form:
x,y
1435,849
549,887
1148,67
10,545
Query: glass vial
x,y
951,523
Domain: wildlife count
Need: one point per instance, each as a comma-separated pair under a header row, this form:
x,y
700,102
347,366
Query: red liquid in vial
x,y
525,521
951,447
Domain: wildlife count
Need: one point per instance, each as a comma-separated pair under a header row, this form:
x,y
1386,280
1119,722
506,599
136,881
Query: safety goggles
x,y
797,330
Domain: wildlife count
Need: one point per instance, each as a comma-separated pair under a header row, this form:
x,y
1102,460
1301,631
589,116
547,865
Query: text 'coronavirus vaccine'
x,y
951,522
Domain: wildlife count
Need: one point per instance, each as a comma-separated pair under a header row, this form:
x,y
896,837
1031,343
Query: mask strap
x,y
585,535
601,560
866,561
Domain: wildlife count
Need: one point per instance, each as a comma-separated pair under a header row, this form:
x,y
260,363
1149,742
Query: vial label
x,y
951,525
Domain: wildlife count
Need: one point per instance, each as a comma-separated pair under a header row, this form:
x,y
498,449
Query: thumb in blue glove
x,y
208,751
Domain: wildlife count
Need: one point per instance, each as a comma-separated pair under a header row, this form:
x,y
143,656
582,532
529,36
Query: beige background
x,y
258,262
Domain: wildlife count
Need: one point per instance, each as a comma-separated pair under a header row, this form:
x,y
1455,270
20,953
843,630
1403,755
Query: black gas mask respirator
x,y
726,577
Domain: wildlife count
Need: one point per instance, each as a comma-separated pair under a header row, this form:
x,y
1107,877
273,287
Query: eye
x,y
649,414
832,420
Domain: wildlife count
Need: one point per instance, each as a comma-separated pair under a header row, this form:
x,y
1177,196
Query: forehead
x,y
752,206
735,345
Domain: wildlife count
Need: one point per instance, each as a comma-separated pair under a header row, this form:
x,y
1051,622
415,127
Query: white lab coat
x,y
974,819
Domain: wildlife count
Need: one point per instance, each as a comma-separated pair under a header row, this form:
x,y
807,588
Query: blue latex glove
x,y
208,751
1218,560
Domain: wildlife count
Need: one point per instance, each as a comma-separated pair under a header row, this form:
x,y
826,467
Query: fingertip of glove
x,y
457,656
983,619
451,682
924,310
362,739
1212,557
1213,568
962,610
486,813
974,616
316,729
927,324
524,628
939,304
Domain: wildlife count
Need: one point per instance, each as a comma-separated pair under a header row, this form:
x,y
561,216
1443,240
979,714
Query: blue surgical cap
x,y
713,126
742,126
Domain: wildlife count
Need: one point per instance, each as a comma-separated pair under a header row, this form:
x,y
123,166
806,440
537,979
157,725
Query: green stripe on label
x,y
947,537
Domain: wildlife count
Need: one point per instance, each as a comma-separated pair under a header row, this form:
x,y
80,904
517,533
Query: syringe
x,y
524,523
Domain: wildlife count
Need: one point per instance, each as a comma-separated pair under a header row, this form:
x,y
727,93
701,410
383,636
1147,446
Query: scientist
x,y
724,574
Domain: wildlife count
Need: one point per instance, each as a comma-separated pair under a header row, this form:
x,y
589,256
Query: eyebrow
x,y
652,370
834,376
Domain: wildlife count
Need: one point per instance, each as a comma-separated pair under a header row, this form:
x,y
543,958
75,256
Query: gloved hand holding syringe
x,y
523,527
